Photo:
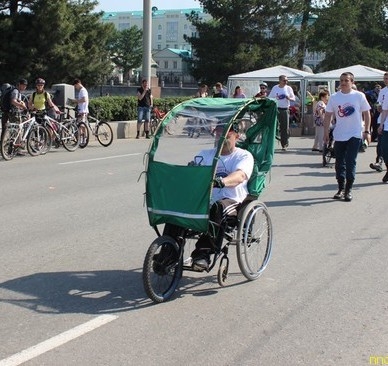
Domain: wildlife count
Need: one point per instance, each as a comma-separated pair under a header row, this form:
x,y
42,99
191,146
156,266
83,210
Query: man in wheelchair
x,y
233,171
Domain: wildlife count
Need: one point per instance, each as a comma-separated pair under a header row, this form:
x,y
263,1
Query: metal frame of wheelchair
x,y
250,232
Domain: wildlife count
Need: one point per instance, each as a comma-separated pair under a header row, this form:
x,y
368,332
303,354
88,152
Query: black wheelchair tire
x,y
161,286
254,248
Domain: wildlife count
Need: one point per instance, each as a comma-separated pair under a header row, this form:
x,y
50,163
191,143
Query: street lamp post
x,y
147,32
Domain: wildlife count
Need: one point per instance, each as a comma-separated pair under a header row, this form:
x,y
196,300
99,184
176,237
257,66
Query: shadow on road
x,y
96,292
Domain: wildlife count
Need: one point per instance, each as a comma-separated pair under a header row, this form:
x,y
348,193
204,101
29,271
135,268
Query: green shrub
x,y
125,108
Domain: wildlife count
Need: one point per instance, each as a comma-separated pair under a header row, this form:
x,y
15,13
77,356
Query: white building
x,y
168,26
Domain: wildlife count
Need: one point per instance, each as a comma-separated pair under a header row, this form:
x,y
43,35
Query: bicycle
x,y
28,133
101,130
65,132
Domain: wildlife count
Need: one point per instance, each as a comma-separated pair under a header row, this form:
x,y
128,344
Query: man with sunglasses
x,y
350,109
283,94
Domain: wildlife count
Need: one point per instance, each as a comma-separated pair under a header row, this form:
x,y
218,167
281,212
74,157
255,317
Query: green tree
x,y
126,49
352,32
242,36
55,40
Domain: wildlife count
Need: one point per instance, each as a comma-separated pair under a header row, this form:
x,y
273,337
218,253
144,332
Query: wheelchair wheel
x,y
162,269
254,240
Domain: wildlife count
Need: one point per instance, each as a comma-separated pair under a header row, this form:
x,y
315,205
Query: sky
x,y
127,5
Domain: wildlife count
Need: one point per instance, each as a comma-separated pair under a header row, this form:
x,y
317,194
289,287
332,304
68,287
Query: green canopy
x,y
178,192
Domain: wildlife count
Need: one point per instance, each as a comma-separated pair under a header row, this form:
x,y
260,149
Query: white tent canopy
x,y
250,81
360,72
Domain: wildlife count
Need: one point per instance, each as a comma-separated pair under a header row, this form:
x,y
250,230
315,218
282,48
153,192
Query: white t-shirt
x,y
383,101
348,108
280,95
84,106
239,159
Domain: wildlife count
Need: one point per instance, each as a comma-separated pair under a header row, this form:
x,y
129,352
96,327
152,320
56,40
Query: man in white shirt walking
x,y
283,94
350,109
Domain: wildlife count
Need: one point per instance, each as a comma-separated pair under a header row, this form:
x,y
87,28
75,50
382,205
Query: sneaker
x,y
376,167
339,195
201,262
385,178
188,262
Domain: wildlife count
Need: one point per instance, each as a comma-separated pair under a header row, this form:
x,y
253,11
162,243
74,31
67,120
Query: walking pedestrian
x,y
351,111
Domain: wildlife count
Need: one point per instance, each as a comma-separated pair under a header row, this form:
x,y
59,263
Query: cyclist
x,y
233,171
15,103
82,101
40,99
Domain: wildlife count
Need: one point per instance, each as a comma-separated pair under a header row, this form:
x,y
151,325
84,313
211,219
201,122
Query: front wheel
x,y
70,136
8,150
162,269
254,240
104,134
83,135
38,141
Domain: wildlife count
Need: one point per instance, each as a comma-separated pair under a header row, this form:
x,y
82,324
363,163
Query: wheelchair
x,y
184,209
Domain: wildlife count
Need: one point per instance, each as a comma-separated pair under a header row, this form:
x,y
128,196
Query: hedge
x,y
125,108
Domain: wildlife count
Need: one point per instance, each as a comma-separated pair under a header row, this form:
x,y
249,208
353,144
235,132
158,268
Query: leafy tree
x,y
243,35
352,32
55,40
126,49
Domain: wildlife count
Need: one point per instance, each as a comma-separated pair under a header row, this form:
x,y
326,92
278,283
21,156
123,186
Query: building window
x,y
175,65
123,26
159,27
166,64
172,31
159,37
159,46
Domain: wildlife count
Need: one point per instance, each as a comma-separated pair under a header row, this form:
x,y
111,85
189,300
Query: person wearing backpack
x,y
40,99
11,101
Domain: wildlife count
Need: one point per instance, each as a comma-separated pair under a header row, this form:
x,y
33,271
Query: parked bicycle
x,y
100,129
24,134
63,133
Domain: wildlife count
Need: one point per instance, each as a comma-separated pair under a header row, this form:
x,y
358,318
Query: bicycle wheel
x,y
154,125
104,133
69,136
83,135
162,269
8,150
37,140
254,240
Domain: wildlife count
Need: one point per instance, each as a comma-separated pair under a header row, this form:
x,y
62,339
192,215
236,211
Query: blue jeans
x,y
143,113
345,158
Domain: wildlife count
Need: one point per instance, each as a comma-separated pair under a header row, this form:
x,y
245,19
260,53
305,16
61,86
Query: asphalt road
x,y
73,237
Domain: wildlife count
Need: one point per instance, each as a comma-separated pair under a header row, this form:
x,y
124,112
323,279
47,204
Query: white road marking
x,y
96,159
59,340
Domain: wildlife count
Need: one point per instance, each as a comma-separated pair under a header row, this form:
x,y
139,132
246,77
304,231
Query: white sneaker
x,y
188,262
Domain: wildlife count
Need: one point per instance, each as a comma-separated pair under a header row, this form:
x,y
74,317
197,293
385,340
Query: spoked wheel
x,y
83,135
37,141
154,125
162,269
104,134
254,240
69,136
8,150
